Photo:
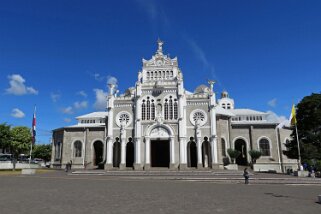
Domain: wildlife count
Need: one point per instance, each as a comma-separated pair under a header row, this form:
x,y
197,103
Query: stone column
x,y
199,152
172,152
138,163
123,154
214,151
109,162
183,153
147,153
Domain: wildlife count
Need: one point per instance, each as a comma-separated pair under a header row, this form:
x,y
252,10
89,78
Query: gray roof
x,y
246,112
97,114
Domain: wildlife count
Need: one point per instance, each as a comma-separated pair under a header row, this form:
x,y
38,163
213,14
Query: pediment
x,y
160,61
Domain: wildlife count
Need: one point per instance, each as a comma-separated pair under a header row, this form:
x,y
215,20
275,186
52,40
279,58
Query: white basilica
x,y
159,124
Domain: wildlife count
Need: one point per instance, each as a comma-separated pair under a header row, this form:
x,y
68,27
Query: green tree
x,y
5,136
255,154
20,140
42,151
233,154
308,117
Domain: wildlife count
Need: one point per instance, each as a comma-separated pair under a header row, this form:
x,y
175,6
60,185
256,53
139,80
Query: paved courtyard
x,y
58,192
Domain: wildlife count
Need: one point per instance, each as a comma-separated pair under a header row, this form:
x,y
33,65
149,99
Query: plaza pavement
x,y
60,192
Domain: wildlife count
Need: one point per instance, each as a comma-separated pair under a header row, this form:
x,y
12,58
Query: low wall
x,y
258,167
9,165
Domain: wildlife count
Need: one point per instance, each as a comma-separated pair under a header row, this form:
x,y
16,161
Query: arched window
x,y
152,111
223,147
228,106
175,110
143,110
170,108
147,75
148,109
223,106
78,149
264,145
166,110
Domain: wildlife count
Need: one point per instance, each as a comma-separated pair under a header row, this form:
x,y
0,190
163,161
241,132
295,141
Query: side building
x,y
158,123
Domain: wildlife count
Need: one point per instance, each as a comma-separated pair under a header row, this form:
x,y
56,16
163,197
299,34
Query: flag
x,y
34,127
292,118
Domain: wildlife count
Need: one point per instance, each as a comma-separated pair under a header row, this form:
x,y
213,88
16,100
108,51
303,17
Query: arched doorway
x,y
206,153
160,143
116,153
98,154
130,153
240,145
191,153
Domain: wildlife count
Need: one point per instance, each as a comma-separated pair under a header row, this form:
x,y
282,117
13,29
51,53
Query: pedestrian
x,y
246,176
70,164
67,167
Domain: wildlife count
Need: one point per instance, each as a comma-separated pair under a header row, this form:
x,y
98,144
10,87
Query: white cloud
x,y
67,120
101,100
98,77
201,56
82,93
155,12
272,102
112,80
80,105
17,113
198,51
67,110
276,118
18,87
55,97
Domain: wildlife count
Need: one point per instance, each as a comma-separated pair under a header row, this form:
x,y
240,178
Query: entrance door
x,y
160,153
98,154
240,145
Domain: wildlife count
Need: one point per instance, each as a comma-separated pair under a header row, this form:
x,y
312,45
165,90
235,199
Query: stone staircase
x,y
221,176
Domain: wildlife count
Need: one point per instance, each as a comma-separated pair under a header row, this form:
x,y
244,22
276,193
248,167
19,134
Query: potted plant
x,y
233,154
255,154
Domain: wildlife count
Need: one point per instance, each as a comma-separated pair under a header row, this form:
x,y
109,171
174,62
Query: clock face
x,y
159,62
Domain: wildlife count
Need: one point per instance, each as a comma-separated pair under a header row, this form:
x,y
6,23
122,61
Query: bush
x,y
318,165
226,161
233,154
255,154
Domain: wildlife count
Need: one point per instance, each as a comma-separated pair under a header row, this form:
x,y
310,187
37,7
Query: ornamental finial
x,y
160,46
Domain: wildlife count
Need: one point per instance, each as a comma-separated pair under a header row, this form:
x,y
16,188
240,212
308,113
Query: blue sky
x,y
58,55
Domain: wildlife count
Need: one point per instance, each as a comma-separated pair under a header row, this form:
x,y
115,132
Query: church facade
x,y
158,124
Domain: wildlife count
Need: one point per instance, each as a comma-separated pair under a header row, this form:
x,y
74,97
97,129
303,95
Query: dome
x,y
202,89
129,92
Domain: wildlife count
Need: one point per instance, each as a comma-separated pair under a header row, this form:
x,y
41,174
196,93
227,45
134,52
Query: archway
x,y
240,145
130,153
191,153
98,154
206,153
116,153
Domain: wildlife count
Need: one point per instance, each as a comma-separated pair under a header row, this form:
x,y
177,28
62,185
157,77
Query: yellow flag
x,y
293,116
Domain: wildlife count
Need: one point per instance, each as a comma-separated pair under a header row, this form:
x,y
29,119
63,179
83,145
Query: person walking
x,y
246,176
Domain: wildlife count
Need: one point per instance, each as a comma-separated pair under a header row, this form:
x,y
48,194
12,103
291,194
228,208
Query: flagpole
x,y
299,153
33,132
30,153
